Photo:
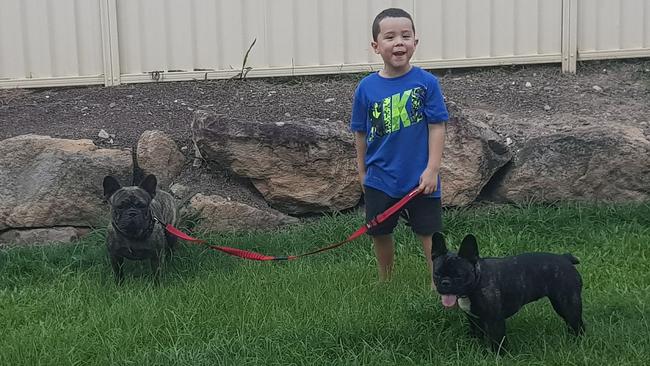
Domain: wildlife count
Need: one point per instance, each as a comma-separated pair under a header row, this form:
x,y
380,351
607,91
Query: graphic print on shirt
x,y
395,112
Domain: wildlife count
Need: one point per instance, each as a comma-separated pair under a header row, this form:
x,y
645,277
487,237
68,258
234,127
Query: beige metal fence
x,y
72,42
613,29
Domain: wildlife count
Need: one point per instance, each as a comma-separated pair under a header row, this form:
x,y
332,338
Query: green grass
x,y
59,305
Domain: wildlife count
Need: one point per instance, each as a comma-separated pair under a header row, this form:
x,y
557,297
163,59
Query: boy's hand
x,y
429,181
361,146
362,178
429,178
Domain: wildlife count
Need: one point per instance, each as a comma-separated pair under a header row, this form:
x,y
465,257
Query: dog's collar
x,y
477,278
477,275
158,220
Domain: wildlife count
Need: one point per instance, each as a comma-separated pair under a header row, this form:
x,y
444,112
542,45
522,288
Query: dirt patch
x,y
535,97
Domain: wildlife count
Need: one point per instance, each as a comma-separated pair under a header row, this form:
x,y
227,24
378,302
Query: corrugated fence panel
x,y
306,31
35,29
62,38
128,36
549,34
526,27
331,32
429,22
279,40
203,35
12,47
503,31
42,40
89,37
253,19
632,26
232,46
467,30
142,36
646,24
180,33
608,17
613,28
204,44
454,31
357,38
69,42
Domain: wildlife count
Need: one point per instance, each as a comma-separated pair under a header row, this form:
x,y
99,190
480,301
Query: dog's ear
x,y
438,246
111,185
469,249
149,184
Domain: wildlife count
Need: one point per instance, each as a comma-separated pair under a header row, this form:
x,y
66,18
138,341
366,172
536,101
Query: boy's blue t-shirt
x,y
395,113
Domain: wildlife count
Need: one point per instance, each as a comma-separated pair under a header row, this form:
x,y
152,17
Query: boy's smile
x,y
395,44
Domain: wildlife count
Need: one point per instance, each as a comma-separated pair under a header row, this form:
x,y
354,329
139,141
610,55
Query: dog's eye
x,y
140,205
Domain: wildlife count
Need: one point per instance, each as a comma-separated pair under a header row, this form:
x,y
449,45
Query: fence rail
x,y
80,42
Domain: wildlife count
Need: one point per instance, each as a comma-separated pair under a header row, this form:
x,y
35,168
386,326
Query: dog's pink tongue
x,y
448,300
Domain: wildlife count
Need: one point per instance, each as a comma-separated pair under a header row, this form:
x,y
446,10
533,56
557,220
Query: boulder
x,y
473,154
299,167
217,213
158,154
48,182
310,166
42,236
590,163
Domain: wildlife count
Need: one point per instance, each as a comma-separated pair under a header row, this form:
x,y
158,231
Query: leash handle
x,y
398,206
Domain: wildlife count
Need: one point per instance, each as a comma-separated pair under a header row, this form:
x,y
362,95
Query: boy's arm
x,y
429,178
361,146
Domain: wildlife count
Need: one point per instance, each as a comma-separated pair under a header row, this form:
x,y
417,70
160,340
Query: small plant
x,y
245,69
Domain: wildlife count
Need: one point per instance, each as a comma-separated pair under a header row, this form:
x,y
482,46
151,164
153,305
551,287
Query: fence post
x,y
569,35
110,46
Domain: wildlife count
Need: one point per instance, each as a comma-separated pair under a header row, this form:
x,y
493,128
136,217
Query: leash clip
x,y
158,220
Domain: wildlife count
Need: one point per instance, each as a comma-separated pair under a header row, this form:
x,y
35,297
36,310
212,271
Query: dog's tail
x,y
571,258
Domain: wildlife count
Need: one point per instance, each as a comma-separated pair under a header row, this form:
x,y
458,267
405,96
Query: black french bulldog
x,y
490,290
137,231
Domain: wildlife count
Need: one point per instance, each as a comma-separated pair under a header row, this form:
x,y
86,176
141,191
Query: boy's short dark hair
x,y
389,13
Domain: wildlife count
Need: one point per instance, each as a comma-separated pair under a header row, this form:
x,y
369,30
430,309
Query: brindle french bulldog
x,y
137,228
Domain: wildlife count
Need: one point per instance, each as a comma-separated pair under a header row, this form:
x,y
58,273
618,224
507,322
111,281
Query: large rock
x,y
590,163
42,236
473,154
298,167
217,213
158,154
46,182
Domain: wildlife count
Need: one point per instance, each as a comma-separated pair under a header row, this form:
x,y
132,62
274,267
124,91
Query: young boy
x,y
398,118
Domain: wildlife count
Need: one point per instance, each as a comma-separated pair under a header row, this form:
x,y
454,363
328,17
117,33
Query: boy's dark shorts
x,y
424,213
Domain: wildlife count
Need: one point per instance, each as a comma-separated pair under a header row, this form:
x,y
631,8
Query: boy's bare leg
x,y
385,252
426,247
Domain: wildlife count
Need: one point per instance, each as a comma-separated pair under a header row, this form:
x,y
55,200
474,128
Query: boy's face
x,y
395,44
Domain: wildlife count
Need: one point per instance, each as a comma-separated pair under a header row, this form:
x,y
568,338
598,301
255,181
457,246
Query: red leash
x,y
261,257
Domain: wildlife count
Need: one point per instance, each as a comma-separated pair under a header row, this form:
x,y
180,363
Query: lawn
x,y
60,306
